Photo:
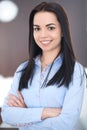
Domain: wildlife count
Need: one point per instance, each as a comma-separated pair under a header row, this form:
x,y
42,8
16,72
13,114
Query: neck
x,y
47,58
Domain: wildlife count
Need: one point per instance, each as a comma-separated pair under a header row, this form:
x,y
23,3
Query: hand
x,y
14,101
50,112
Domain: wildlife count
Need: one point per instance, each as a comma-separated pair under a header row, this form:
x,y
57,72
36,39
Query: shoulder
x,y
78,77
79,70
22,66
19,71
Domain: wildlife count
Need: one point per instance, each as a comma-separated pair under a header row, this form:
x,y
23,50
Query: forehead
x,y
45,18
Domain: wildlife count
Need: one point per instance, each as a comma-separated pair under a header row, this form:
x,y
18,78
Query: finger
x,y
12,103
14,99
12,96
20,97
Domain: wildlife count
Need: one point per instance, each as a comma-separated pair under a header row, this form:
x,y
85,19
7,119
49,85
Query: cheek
x,y
36,39
35,36
58,35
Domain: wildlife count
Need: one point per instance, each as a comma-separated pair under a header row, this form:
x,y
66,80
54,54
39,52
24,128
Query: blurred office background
x,y
14,34
14,37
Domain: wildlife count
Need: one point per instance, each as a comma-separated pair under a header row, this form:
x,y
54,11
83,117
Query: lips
x,y
45,42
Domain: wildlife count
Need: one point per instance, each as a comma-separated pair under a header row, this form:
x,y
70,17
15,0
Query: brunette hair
x,y
63,76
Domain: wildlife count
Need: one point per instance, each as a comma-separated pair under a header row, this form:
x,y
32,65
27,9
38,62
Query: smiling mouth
x,y
45,42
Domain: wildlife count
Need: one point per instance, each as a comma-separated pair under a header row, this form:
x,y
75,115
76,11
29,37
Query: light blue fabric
x,y
37,98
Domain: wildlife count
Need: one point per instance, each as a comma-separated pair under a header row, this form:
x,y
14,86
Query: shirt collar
x,y
57,60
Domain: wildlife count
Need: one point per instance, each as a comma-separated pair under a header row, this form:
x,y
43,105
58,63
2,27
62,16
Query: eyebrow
x,y
46,25
50,24
36,25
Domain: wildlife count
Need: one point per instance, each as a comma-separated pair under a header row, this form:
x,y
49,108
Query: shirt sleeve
x,y
72,105
16,115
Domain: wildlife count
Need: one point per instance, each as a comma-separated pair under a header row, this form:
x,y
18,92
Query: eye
x,y
51,28
36,29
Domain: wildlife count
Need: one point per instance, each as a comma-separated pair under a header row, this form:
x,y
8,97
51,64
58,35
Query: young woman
x,y
47,90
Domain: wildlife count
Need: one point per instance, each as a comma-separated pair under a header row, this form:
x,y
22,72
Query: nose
x,y
43,33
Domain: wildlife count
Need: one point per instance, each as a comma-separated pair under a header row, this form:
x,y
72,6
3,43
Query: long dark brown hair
x,y
63,76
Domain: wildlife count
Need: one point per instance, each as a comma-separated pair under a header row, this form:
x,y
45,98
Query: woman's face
x,y
47,31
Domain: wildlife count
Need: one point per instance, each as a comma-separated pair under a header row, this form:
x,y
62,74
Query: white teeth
x,y
45,42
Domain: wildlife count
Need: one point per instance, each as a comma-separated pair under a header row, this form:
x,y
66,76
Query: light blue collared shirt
x,y
37,98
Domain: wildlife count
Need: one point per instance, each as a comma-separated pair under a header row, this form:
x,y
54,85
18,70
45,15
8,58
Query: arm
x,y
72,104
14,101
14,110
50,112
19,115
18,102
